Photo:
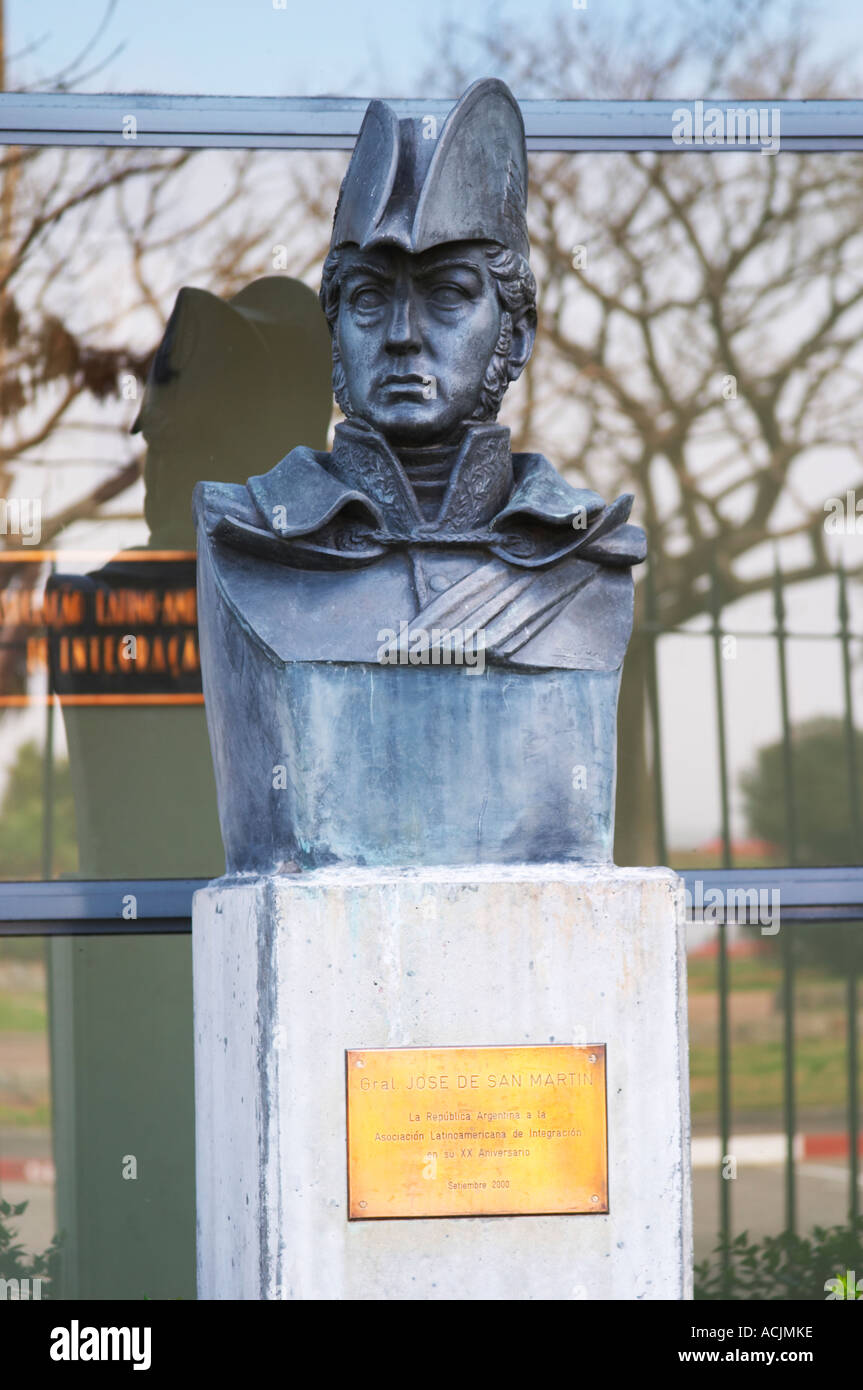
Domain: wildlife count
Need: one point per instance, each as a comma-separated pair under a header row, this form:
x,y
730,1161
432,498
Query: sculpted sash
x,y
504,613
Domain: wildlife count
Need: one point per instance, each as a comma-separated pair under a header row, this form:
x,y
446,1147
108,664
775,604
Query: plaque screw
x,y
361,1063
592,1057
594,1198
365,1204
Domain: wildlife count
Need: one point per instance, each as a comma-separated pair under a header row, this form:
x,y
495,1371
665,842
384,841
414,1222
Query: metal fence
x,y
809,894
829,903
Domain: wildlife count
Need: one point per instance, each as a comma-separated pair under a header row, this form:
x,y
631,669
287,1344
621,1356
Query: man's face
x,y
415,335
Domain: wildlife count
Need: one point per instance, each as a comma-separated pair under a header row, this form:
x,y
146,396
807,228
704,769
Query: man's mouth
x,y
402,379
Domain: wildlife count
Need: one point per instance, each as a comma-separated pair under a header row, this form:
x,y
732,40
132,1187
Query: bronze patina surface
x,y
411,643
477,1131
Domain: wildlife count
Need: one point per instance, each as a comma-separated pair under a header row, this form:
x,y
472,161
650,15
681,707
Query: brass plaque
x,y
477,1131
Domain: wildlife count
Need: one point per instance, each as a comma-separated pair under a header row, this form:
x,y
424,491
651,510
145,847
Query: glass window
x,y
97,1124
199,255
698,346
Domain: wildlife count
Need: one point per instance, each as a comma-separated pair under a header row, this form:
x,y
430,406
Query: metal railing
x,y
811,895
817,896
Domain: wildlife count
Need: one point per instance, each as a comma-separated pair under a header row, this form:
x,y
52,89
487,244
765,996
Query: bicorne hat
x,y
411,185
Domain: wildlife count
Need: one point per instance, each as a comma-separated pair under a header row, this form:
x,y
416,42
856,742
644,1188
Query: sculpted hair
x,y
516,289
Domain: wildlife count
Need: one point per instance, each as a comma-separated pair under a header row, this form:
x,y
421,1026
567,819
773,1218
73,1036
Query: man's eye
x,y
368,298
448,296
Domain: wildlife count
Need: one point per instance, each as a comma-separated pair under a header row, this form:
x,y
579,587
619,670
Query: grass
x,y
820,1070
749,972
24,1099
32,1113
22,1011
757,1076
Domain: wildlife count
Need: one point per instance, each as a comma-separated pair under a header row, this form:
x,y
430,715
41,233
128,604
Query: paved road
x,y
758,1200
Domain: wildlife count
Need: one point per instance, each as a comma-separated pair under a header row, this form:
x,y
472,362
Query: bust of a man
x,y
421,542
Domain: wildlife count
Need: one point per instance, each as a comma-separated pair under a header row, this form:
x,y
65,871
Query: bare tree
x,y
700,322
94,245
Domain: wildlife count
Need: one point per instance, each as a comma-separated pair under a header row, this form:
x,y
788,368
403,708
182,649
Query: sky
x,y
289,47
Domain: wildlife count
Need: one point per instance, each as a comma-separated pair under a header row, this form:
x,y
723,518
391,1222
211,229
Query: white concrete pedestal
x,y
290,972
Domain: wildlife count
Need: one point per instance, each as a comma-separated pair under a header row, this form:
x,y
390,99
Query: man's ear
x,y
523,336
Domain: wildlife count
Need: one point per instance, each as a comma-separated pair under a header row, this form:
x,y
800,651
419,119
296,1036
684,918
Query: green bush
x,y
782,1267
16,1264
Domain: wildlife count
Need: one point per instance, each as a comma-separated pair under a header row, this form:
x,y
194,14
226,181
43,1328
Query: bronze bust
x,y
420,541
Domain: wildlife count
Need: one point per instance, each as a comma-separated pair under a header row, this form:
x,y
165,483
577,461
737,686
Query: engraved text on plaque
x,y
477,1131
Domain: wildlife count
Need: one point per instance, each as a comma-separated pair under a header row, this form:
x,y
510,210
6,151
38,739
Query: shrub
x,y
783,1267
15,1263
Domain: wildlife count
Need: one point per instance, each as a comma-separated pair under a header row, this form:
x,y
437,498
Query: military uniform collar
x,y
480,483
351,507
489,487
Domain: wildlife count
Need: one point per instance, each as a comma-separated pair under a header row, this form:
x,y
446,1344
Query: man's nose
x,y
403,327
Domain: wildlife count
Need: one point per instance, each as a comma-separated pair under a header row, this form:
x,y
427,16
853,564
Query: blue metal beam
x,y
66,907
67,118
